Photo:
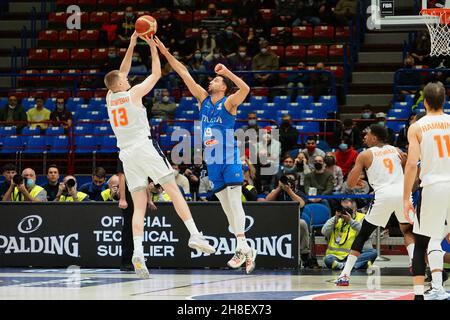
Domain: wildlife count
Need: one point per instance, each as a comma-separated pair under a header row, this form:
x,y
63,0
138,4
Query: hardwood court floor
x,y
390,280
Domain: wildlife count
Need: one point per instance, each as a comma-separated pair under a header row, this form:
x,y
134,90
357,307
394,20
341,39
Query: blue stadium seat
x,y
100,131
396,126
187,103
96,102
321,109
86,144
3,102
50,103
265,114
294,113
28,103
103,111
281,101
308,127
257,100
81,130
308,113
87,123
315,215
402,105
409,98
305,100
239,124
399,113
447,111
323,145
73,102
330,102
58,144
183,124
165,141
94,115
7,131
82,110
295,105
31,131
35,144
155,121
108,144
187,114
419,110
420,105
54,131
11,144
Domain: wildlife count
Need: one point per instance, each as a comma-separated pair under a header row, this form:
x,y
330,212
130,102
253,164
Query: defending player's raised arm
x,y
355,173
236,99
147,85
196,90
125,66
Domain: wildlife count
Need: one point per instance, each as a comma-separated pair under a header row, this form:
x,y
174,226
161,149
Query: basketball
x,y
146,25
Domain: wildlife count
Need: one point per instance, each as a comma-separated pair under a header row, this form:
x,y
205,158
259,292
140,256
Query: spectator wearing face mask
x,y
25,189
335,170
214,59
381,120
368,116
197,63
296,83
169,28
94,189
113,192
136,64
346,157
164,108
312,151
205,43
252,122
214,22
126,28
182,182
13,112
351,133
241,61
265,60
288,167
320,82
319,181
228,41
112,62
268,151
288,134
61,116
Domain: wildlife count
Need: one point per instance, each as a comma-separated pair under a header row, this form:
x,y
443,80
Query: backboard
x,y
400,15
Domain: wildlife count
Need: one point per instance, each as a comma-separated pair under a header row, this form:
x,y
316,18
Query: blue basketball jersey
x,y
217,126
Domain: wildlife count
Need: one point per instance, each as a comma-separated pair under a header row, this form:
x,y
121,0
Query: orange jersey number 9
x,y
388,164
123,118
438,140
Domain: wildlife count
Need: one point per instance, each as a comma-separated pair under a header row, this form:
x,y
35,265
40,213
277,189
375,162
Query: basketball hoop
x,y
438,23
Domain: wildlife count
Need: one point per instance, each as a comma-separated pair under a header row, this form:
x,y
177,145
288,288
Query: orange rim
x,y
444,14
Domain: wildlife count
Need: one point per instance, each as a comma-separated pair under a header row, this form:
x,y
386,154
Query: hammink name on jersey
x,y
435,126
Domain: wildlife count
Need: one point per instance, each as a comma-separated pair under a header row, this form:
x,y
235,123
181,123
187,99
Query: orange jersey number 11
x,y
388,164
440,146
123,119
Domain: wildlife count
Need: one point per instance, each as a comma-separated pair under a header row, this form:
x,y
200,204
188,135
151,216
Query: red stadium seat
x,y
259,91
63,4
47,38
59,57
89,38
66,94
100,93
278,50
27,80
286,75
192,32
116,17
324,33
51,81
99,56
68,38
57,19
142,13
127,2
89,79
80,57
105,5
275,30
336,53
121,52
225,12
317,53
70,79
37,57
199,15
266,14
86,94
145,2
302,35
183,16
44,93
99,18
342,33
87,5
338,72
20,93
294,54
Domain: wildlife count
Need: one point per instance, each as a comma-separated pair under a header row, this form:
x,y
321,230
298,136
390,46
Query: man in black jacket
x,y
288,135
13,112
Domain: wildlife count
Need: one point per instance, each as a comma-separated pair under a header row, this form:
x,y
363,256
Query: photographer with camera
x,y
113,192
23,188
67,191
341,231
303,168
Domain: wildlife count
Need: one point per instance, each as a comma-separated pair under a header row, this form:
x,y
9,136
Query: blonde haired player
x,y
140,154
384,168
429,142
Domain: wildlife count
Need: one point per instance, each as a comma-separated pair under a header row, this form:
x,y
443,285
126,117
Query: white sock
x,y
235,201
225,202
419,289
242,244
349,264
410,249
190,225
436,279
138,249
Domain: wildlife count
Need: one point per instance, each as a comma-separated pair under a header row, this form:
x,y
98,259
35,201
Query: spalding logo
x,y
29,224
249,222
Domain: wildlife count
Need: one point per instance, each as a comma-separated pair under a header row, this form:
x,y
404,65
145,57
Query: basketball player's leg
x,y
406,229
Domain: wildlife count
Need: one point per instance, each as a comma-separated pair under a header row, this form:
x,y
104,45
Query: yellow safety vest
x,y
165,197
342,238
80,195
17,196
106,195
249,188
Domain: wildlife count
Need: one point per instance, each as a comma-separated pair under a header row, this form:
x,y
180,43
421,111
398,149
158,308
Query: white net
x,y
437,21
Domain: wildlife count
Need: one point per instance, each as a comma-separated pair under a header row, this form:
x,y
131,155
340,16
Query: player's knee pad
x,y
420,248
364,234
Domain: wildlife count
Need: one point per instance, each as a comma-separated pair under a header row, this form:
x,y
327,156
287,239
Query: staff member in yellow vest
x,y
24,188
67,191
113,192
341,230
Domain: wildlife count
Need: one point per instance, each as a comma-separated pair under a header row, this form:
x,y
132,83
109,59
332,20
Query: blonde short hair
x,y
111,78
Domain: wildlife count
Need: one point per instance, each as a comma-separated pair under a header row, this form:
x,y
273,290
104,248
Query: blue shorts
x,y
224,175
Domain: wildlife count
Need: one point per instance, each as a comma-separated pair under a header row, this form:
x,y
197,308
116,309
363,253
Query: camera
x,y
18,179
70,183
347,211
286,181
300,166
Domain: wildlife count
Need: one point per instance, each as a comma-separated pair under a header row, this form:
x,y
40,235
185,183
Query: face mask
x,y
234,23
288,170
204,36
129,14
216,56
318,166
252,122
381,123
176,172
242,54
30,183
311,149
263,50
343,146
198,56
134,59
366,115
348,131
112,55
60,106
165,99
229,33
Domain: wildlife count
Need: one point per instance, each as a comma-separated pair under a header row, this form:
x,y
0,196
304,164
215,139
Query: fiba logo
x,y
29,224
249,222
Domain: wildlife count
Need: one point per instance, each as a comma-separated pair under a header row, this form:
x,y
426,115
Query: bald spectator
x,y
13,112
68,191
112,193
265,60
25,189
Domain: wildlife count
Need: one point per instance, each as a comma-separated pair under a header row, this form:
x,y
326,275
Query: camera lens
x,y
18,179
70,183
